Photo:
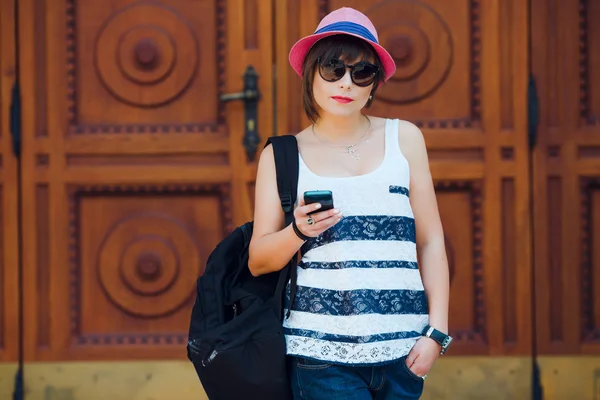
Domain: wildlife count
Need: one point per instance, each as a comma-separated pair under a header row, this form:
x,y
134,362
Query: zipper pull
x,y
210,358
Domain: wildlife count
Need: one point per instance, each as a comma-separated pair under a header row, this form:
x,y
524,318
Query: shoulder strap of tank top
x,y
391,137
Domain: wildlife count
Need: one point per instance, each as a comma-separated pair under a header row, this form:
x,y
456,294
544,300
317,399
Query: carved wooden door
x,y
566,193
9,235
133,169
462,77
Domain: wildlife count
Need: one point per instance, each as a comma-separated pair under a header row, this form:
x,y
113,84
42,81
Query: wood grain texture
x,y
566,170
9,235
139,170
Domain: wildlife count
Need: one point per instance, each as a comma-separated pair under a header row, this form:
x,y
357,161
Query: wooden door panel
x,y
462,78
133,168
9,234
143,63
138,253
565,61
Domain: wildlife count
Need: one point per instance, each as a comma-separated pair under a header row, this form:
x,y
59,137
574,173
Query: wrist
x,y
430,340
298,233
441,338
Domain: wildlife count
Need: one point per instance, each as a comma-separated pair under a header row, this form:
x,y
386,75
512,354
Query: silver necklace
x,y
351,149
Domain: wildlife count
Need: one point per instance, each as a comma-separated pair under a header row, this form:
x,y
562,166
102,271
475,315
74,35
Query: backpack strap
x,y
285,153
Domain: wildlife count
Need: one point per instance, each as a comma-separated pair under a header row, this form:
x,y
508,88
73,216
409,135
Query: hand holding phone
x,y
315,214
323,197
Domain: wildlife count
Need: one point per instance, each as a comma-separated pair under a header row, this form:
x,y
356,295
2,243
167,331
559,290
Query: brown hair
x,y
336,46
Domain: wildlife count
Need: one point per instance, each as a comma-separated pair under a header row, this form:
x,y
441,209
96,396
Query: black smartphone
x,y
325,197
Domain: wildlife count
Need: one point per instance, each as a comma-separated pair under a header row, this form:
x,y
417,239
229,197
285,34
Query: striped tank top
x,y
360,298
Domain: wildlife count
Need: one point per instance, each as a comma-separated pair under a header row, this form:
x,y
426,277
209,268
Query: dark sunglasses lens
x,y
332,70
364,74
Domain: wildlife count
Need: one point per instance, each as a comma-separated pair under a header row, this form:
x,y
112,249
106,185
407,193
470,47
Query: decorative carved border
x,y
474,187
475,74
76,128
75,193
209,127
134,339
589,332
584,67
71,42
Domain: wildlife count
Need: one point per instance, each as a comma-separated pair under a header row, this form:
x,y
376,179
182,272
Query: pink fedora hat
x,y
346,21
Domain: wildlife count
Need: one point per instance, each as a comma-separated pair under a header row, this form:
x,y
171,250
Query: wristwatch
x,y
441,338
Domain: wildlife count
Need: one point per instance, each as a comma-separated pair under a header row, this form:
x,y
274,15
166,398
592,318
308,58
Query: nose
x,y
346,80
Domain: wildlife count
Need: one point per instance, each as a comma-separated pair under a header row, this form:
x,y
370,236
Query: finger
x,y
326,223
336,218
320,225
420,369
321,215
309,208
411,358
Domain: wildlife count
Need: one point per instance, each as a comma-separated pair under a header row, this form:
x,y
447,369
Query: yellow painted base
x,y
7,379
566,378
485,378
160,380
452,378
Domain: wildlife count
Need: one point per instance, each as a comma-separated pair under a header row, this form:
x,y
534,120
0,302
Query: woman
x,y
367,321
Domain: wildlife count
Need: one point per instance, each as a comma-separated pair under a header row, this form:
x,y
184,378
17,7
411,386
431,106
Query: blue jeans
x,y
316,380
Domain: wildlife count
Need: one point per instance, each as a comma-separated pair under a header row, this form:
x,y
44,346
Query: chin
x,y
346,113
345,110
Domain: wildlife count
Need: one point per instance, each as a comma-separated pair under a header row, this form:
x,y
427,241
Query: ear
x,y
370,101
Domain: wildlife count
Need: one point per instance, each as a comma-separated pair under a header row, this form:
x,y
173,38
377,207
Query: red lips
x,y
342,99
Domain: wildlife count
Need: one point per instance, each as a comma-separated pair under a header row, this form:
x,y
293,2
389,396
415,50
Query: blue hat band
x,y
348,27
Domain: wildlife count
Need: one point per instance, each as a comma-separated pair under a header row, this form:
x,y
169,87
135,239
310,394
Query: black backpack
x,y
236,340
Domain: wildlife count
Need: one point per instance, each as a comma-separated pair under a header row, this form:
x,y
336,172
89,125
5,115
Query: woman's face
x,y
342,97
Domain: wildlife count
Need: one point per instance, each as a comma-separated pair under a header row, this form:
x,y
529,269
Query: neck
x,y
336,129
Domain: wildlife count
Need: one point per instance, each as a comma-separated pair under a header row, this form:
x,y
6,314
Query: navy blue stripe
x,y
351,339
358,264
349,27
366,227
399,190
358,302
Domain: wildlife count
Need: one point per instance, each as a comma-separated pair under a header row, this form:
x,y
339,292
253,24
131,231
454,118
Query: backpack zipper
x,y
207,360
210,358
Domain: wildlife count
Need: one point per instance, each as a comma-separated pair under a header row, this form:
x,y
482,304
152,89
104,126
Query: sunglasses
x,y
362,73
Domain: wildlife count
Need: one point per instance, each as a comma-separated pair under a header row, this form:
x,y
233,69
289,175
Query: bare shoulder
x,y
265,172
266,154
409,134
412,142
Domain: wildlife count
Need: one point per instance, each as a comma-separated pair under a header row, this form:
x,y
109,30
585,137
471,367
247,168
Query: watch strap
x,y
439,337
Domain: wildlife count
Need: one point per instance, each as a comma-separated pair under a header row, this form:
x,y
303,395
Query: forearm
x,y
436,280
272,252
